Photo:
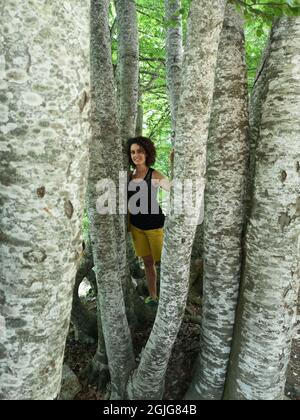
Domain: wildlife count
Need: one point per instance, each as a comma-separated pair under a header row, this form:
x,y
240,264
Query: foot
x,y
151,301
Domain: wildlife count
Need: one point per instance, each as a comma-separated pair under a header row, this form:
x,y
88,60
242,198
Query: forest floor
x,y
179,373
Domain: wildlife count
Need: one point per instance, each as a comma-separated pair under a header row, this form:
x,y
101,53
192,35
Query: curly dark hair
x,y
147,144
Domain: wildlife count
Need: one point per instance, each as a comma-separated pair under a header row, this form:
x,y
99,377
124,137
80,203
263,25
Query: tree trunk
x,y
174,56
44,133
128,66
107,231
190,151
84,321
227,158
128,76
258,96
268,301
140,115
97,371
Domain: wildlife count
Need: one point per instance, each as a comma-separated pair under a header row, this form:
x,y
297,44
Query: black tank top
x,y
149,214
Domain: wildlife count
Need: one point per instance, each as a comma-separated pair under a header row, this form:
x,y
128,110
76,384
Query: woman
x,y
146,227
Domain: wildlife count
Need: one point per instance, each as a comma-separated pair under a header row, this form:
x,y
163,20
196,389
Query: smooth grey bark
x,y
174,50
128,67
266,313
44,91
200,57
227,159
107,231
257,99
128,86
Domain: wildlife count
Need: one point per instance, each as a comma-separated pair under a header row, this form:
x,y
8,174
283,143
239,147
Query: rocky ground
x,y
179,373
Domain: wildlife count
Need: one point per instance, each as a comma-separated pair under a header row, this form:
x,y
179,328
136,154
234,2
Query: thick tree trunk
x,y
174,55
267,308
190,160
227,158
44,132
107,231
258,96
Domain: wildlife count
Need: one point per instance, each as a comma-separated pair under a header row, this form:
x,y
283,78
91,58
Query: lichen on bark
x,y
267,308
43,72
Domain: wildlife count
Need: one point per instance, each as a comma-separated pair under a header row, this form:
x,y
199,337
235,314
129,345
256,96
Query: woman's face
x,y
138,154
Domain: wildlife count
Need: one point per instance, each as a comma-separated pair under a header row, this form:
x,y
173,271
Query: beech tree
x,y
268,299
128,66
128,92
174,49
44,122
227,159
193,114
122,109
107,255
44,82
108,231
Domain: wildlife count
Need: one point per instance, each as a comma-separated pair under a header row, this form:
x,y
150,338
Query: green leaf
x,y
295,11
259,32
277,11
179,12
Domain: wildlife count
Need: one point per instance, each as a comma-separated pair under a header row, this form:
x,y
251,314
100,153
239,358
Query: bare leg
x,y
150,272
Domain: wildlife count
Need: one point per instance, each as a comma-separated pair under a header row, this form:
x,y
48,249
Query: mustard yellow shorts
x,y
147,242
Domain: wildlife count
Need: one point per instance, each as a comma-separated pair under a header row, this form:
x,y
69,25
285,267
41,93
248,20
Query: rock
x,y
70,385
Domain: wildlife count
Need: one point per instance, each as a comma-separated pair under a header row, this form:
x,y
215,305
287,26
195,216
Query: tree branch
x,y
156,59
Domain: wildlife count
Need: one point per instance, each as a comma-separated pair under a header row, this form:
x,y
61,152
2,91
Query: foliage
x,y
256,35
268,10
153,25
152,36
259,15
154,97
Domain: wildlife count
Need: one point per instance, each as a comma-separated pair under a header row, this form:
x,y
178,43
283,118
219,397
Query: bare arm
x,y
159,180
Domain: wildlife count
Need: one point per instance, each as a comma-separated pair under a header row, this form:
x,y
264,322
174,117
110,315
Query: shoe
x,y
151,301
